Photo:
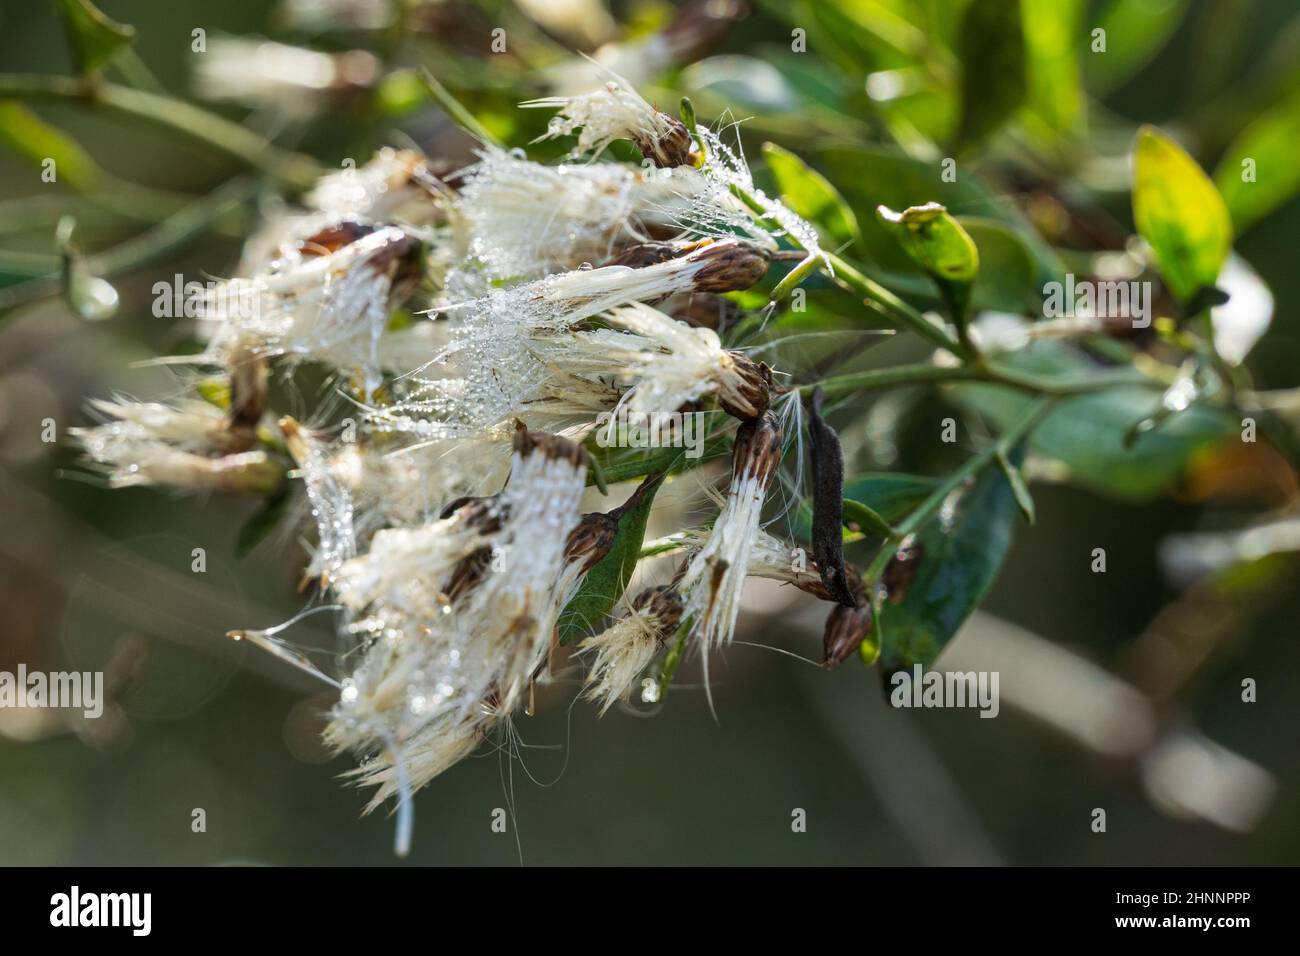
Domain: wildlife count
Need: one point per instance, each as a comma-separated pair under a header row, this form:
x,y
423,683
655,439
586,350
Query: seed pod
x,y
828,502
729,266
665,604
652,253
671,148
810,582
846,629
527,443
591,540
747,389
901,570
757,450
334,237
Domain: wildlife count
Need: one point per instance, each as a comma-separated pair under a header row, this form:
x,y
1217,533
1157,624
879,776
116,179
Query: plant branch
x,y
973,466
850,277
989,374
215,131
891,306
172,233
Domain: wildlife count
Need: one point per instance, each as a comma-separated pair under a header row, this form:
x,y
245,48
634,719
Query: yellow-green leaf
x,y
1258,171
94,38
1179,213
31,137
811,195
1054,77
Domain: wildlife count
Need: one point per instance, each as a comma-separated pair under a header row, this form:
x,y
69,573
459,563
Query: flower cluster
x,y
476,323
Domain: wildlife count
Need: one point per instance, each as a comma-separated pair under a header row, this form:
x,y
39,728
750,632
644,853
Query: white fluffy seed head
x,y
715,575
186,447
393,186
622,652
615,111
506,355
456,614
330,498
332,308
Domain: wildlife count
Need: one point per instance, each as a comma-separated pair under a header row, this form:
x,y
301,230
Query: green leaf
x,y
960,562
94,38
866,518
1008,279
1135,30
1024,500
1179,213
891,496
1269,144
811,195
1055,82
991,47
606,582
34,139
1085,434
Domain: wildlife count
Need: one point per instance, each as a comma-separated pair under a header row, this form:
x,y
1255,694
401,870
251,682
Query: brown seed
x,y
550,446
757,450
652,253
403,261
671,149
248,372
810,582
846,629
729,266
750,387
483,514
665,605
333,238
591,540
469,571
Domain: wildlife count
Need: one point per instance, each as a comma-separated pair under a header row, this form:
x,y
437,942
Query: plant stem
x,y
456,110
973,466
672,659
793,278
171,233
988,374
215,131
891,306
850,277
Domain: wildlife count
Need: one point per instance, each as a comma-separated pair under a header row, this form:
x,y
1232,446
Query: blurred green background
x,y
91,579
